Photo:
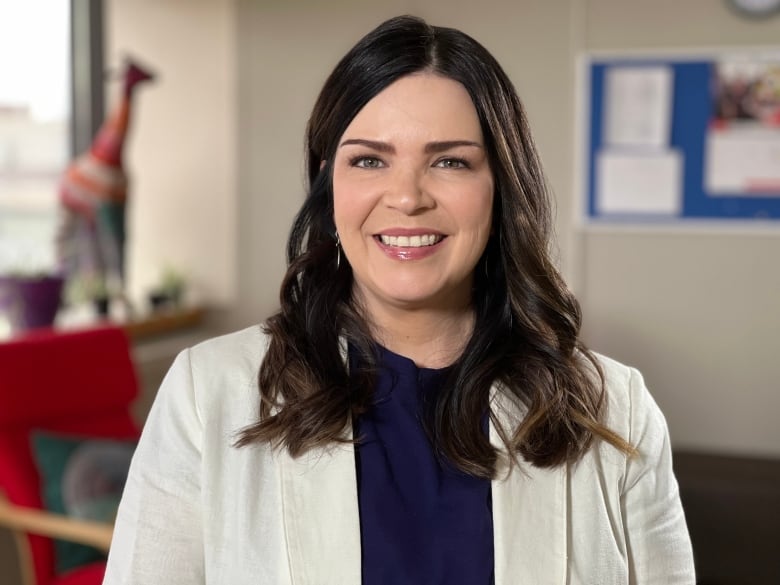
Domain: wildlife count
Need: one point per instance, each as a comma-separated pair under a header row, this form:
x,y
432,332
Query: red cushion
x,y
51,376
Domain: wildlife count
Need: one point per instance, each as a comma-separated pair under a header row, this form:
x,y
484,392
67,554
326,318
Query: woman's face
x,y
413,196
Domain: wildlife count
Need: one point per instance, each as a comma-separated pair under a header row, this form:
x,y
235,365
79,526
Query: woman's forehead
x,y
421,106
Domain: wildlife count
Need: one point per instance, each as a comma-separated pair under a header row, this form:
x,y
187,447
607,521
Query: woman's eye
x,y
366,162
452,163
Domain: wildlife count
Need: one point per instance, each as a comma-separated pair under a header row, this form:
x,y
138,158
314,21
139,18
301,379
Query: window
x,y
50,98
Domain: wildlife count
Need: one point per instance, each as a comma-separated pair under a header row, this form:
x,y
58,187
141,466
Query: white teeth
x,y
410,241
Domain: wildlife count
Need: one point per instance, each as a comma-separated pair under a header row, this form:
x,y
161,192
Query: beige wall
x,y
218,158
182,148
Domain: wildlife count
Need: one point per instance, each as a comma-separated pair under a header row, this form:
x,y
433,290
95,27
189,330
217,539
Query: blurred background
x,y
215,156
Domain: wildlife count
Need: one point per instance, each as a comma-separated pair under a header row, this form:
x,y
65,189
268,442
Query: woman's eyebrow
x,y
434,147
373,144
431,147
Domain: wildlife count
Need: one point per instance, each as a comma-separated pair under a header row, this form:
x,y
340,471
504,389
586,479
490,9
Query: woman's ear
x,y
322,164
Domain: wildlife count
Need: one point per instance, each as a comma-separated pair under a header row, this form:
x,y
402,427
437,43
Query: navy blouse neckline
x,y
422,521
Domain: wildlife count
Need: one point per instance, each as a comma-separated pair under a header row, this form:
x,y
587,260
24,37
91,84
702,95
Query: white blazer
x,y
197,510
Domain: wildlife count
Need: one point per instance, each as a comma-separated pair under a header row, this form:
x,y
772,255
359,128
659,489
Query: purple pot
x,y
30,302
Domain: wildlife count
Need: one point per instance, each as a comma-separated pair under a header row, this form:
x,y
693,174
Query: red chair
x,y
75,383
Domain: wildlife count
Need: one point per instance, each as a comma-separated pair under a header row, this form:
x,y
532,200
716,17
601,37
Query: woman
x,y
424,411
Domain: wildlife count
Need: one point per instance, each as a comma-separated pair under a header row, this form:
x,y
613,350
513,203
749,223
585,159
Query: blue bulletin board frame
x,y
691,111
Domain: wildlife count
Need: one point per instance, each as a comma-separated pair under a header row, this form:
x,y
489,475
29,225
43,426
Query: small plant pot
x,y
102,305
30,302
160,300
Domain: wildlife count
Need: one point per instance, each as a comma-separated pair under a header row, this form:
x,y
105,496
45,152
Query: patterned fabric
x,y
93,192
80,477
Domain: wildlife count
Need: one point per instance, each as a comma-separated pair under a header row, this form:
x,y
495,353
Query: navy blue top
x,y
422,521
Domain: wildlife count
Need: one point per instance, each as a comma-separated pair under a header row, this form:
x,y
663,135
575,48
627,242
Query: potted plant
x,y
91,290
169,292
30,300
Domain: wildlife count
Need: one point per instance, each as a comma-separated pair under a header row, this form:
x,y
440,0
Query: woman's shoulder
x,y
631,409
220,371
239,349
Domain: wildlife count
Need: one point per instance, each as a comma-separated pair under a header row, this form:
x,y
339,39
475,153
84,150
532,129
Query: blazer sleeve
x,y
158,532
658,545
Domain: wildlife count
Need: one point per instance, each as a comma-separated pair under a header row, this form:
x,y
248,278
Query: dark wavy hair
x,y
525,339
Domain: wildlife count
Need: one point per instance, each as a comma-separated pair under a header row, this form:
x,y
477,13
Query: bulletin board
x,y
682,138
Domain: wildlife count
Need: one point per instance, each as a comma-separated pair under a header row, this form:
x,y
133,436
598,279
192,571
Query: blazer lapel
x,y
322,524
530,524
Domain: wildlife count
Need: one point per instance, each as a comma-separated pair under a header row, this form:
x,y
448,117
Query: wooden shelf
x,y
164,322
142,328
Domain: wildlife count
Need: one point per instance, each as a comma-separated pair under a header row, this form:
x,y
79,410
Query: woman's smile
x,y
410,247
413,241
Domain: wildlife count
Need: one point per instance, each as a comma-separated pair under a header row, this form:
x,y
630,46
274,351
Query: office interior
x,y
216,157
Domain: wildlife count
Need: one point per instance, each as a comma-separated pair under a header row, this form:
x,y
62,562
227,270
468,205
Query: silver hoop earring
x,y
338,251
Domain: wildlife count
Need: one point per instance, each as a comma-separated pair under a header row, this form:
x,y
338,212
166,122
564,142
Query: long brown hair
x,y
525,340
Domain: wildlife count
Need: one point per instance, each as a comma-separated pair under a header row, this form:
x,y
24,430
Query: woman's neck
x,y
431,338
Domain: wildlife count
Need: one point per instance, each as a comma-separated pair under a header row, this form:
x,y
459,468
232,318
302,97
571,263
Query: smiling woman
x,y
421,409
412,169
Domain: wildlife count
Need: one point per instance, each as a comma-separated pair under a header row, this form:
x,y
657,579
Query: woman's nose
x,y
407,191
